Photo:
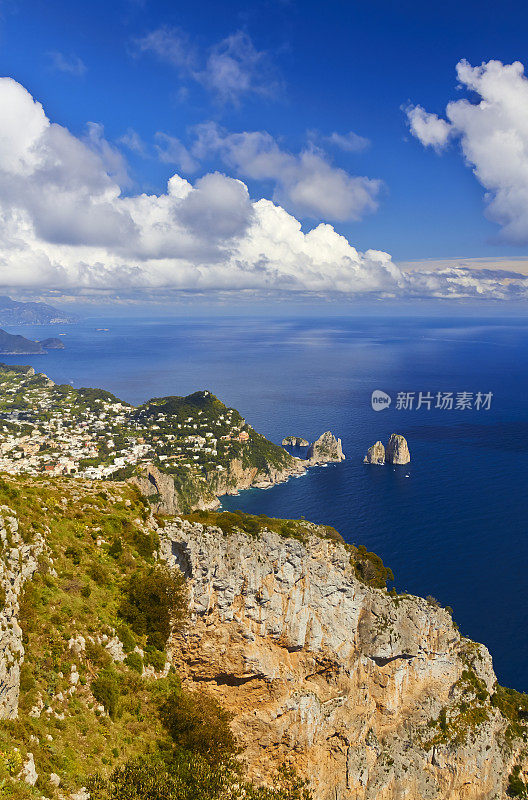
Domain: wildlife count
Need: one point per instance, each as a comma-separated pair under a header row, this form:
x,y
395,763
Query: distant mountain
x,y
13,344
13,312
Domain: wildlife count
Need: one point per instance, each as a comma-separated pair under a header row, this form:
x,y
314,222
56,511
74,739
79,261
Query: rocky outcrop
x,y
160,489
344,682
295,441
397,451
375,454
17,564
236,477
325,449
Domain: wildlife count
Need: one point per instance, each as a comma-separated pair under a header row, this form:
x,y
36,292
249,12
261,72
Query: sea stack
x,y
375,454
326,448
397,451
295,441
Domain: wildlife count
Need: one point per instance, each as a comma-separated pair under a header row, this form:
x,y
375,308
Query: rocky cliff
x,y
371,696
368,694
18,563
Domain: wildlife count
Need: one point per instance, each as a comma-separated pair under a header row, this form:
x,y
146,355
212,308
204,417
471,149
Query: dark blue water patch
x,y
451,524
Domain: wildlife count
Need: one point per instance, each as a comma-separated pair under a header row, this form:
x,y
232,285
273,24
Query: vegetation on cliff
x,y
99,704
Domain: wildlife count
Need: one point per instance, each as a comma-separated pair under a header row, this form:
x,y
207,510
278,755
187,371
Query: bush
x,y
516,786
370,569
187,776
135,662
196,722
99,573
74,553
156,658
154,601
127,640
116,548
105,689
97,654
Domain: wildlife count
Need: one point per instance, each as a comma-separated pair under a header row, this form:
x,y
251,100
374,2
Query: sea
x,y
452,524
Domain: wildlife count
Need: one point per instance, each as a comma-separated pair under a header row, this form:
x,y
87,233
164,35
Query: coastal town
x,y
56,429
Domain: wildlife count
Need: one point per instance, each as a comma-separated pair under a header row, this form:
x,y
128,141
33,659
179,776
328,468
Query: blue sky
x,y
145,71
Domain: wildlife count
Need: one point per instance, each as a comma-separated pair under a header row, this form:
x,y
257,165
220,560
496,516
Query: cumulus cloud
x,y
428,128
306,184
65,223
230,69
493,135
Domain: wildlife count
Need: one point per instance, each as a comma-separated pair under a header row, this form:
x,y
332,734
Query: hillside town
x,y
51,429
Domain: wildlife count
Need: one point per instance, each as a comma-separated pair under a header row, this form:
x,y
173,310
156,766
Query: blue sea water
x,y
452,524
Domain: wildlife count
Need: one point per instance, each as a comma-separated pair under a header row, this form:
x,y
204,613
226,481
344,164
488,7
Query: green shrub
x,y
153,602
127,639
99,573
97,654
370,569
105,689
188,776
135,662
516,786
74,553
156,658
196,722
116,548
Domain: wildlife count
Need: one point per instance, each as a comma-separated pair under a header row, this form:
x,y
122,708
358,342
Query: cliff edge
x,y
370,696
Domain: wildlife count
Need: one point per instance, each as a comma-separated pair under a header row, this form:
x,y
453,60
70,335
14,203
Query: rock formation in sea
x,y
295,441
397,451
325,449
375,454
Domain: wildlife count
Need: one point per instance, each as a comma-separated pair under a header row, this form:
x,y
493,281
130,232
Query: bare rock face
x,y
325,449
295,441
18,564
397,451
344,682
375,454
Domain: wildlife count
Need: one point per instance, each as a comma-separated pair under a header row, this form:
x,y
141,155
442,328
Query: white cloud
x,y
70,64
428,128
171,45
230,69
350,142
493,135
65,224
235,68
133,141
306,184
172,151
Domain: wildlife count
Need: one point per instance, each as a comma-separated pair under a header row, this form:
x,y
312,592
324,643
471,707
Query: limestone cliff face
x,y
343,681
236,477
18,564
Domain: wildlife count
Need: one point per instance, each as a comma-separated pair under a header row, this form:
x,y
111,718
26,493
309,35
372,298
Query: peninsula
x,y
182,452
14,344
